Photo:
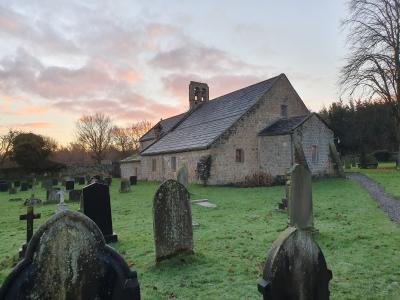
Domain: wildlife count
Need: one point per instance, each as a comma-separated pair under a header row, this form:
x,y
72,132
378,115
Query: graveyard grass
x,y
385,175
360,244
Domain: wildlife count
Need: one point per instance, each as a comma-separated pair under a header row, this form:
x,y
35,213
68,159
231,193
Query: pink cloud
x,y
28,126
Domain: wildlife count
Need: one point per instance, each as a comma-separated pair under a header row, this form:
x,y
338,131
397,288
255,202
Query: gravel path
x,y
385,201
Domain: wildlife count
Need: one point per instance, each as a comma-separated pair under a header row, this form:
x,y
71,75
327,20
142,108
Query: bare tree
x,y
138,130
126,140
6,144
372,68
94,133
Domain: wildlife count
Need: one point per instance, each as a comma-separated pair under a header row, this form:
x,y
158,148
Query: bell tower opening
x,y
198,93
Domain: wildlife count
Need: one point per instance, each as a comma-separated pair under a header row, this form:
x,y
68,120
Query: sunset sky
x,y
133,60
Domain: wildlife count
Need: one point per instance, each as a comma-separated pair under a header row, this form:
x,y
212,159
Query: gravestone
x,y
54,181
17,184
52,196
75,195
24,186
76,179
299,156
29,217
69,185
96,205
125,186
133,180
172,221
47,183
338,166
108,180
182,175
81,180
32,201
295,269
4,186
300,198
67,258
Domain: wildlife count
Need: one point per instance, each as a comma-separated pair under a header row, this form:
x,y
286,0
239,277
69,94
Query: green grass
x,y
360,244
385,175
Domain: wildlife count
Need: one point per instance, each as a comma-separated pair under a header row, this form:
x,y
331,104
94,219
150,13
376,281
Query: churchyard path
x,y
386,202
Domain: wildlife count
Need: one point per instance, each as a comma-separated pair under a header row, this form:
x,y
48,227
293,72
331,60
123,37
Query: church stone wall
x,y
129,169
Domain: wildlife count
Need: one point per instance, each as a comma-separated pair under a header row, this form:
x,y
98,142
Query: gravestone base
x,y
183,252
111,238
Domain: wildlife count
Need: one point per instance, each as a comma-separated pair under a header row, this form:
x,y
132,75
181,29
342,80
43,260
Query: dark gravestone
x,y
4,186
69,185
108,180
81,180
75,195
76,179
67,258
54,181
29,217
133,180
125,186
172,221
295,269
96,205
24,186
17,184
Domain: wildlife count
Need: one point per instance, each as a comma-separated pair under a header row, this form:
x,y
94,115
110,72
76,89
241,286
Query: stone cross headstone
x,y
125,186
67,258
133,180
172,221
75,195
300,202
295,269
29,217
96,205
69,185
182,175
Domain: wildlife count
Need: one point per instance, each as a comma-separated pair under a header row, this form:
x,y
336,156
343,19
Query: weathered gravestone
x,y
29,217
4,186
295,269
133,180
96,205
52,196
75,195
125,186
67,258
81,180
183,175
61,205
24,186
172,221
300,198
69,185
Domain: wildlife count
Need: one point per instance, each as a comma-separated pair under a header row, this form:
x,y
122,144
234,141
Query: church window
x,y
239,155
314,153
154,165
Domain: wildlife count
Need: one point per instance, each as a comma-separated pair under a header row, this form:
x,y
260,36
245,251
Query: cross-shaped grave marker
x,y
29,217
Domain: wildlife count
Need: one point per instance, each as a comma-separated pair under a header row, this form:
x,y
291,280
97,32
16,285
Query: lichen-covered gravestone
x,y
182,175
67,258
295,269
96,205
125,186
172,221
75,195
300,198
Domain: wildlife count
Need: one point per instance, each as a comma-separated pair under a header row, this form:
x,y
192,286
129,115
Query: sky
x,y
133,59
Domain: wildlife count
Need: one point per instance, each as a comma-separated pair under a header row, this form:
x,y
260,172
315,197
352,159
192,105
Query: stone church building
x,y
251,132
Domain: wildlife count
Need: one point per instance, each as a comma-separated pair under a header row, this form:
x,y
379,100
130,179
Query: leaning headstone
x,y
300,202
133,180
96,205
52,196
75,195
24,186
295,268
29,217
4,186
67,258
69,185
125,186
172,221
182,175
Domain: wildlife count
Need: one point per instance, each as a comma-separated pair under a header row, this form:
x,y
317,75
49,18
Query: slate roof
x,y
203,125
166,126
131,158
284,126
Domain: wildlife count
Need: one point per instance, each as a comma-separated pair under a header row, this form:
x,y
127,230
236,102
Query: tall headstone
x,y
69,185
295,269
300,202
75,195
182,175
133,180
96,205
172,221
67,258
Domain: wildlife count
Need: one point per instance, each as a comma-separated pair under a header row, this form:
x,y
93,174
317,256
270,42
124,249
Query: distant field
x,y
385,175
360,244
